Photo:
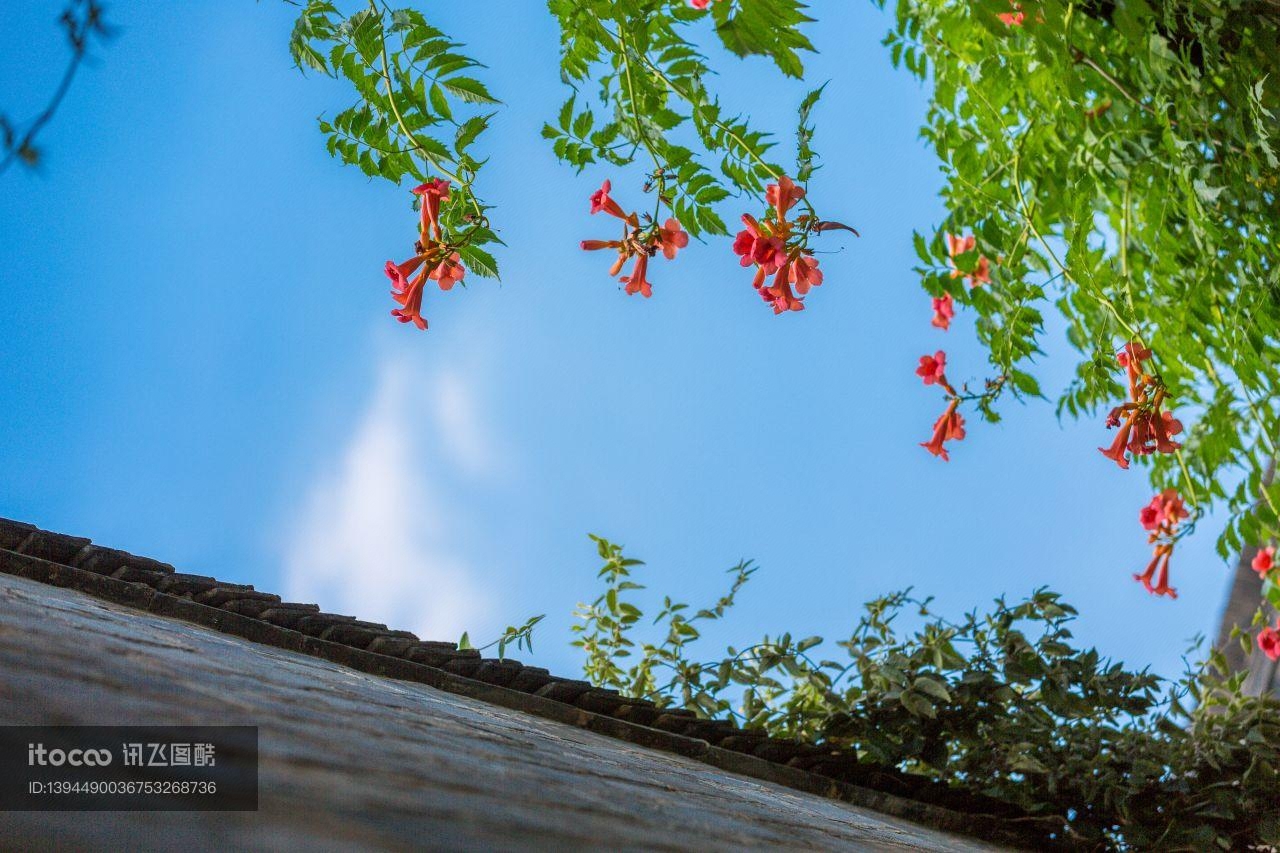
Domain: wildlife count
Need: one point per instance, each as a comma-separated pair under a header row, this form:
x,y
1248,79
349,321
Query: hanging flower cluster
x,y
779,247
1142,427
774,244
1264,563
1269,641
950,424
1161,518
1013,19
639,240
944,306
981,272
433,258
1018,16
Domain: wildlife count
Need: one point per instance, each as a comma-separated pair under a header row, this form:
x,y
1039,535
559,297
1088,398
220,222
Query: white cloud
x,y
375,537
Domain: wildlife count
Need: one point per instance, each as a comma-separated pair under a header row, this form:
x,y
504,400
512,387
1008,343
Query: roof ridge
x,y
261,617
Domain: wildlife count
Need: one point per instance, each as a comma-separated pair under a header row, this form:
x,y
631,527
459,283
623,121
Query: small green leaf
x,y
439,102
469,89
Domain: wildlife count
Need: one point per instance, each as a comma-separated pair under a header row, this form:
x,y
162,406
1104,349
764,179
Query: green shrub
x,y
998,704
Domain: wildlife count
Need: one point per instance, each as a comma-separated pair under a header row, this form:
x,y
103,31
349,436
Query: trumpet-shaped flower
x,y
956,246
933,368
783,195
757,246
410,310
671,238
638,281
944,308
948,427
1264,561
805,273
602,201
399,273
449,272
780,295
1164,509
431,194
1156,578
1269,642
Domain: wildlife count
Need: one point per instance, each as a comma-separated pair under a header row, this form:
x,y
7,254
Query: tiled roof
x,y
261,617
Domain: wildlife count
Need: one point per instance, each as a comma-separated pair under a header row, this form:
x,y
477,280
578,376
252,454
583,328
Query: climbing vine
x,y
1113,162
996,707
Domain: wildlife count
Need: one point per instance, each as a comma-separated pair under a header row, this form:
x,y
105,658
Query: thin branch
x,y
1084,59
78,30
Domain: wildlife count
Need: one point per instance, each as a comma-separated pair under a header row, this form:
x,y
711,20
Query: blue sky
x,y
197,363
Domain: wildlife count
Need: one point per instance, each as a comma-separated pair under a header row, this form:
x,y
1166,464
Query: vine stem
x,y
1028,216
635,110
1124,248
395,109
693,102
79,42
1186,476
1262,428
1081,57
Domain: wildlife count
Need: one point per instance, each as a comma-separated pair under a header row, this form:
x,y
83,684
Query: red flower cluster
x,y
1143,427
1264,561
1269,641
950,424
1161,517
1014,18
1018,17
640,243
980,274
778,247
433,258
944,306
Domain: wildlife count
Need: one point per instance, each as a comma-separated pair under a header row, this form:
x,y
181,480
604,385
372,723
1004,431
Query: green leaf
x,y
469,89
478,261
933,688
918,705
766,28
470,131
439,102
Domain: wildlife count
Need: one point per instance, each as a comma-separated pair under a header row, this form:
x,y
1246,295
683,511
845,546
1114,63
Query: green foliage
x,y
1118,163
764,27
637,77
420,108
999,704
804,136
608,622
648,74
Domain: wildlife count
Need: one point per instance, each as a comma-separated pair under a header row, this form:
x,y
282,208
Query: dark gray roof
x,y
445,708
